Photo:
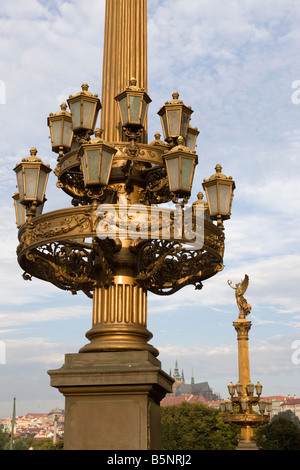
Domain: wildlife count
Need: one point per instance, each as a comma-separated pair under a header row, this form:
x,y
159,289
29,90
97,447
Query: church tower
x,y
181,389
179,379
193,378
176,374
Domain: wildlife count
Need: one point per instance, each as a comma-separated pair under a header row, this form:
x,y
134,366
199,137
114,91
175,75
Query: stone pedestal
x,y
112,400
244,445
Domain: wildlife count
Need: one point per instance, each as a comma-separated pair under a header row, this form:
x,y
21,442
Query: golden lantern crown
x,y
32,176
133,105
231,389
180,163
262,406
84,108
258,388
250,389
61,129
219,192
96,158
191,138
239,388
157,141
175,118
20,211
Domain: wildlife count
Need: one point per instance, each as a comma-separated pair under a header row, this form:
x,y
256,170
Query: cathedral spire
x,y
176,374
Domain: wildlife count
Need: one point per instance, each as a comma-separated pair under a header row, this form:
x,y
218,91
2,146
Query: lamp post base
x,y
112,400
117,338
243,445
247,441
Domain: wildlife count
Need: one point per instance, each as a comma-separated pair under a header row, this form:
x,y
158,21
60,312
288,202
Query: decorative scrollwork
x,y
157,187
132,150
71,266
45,229
62,247
67,267
72,183
166,267
215,241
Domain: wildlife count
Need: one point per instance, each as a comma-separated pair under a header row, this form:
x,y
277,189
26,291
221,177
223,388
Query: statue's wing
x,y
244,285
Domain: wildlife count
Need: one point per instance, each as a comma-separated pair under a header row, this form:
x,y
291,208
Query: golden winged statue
x,y
240,289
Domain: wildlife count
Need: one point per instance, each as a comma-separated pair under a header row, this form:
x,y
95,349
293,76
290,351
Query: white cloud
x,y
273,285
14,290
235,67
270,362
50,314
38,57
17,10
34,350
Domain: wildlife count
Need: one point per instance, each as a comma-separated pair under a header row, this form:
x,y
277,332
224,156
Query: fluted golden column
x,y
125,56
119,318
242,327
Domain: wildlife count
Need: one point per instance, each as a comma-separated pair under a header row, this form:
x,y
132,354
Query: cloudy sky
x,y
237,64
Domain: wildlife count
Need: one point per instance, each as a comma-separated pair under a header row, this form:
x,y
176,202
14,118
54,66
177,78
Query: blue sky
x,y
235,63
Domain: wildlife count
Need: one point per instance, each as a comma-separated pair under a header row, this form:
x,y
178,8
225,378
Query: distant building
x,y
58,413
36,425
202,393
170,400
199,391
291,404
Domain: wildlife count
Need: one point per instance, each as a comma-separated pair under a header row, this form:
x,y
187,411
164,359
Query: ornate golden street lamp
x,y
61,130
20,210
133,103
111,182
191,138
96,158
175,118
219,191
239,408
133,106
180,162
84,107
32,176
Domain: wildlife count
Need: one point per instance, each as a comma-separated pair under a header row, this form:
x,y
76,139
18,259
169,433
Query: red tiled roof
x,y
291,401
36,415
177,400
172,401
214,403
275,397
200,399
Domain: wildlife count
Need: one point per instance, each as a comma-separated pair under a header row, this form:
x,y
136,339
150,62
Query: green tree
x,y
18,444
281,434
4,439
288,414
195,427
44,444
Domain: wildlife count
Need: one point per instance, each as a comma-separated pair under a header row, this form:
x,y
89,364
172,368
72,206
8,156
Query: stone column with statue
x,y
242,394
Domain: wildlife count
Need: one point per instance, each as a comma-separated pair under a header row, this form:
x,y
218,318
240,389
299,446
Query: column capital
x,y
242,328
